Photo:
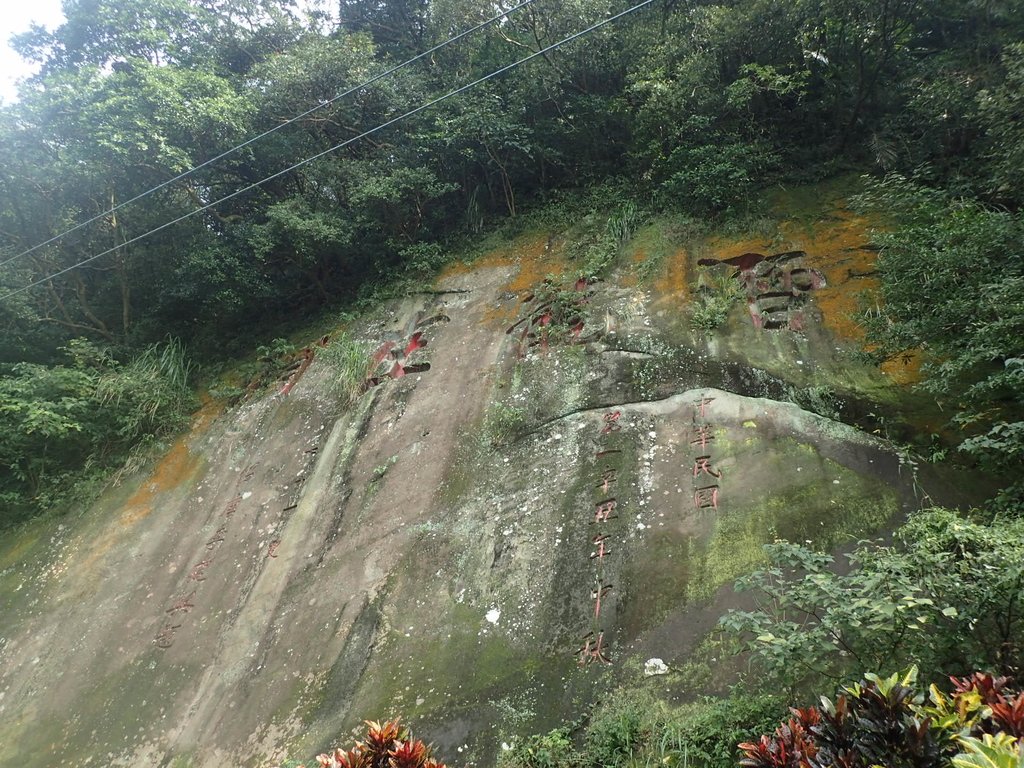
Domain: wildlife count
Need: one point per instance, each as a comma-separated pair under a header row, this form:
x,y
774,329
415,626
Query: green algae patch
x,y
121,712
415,673
789,493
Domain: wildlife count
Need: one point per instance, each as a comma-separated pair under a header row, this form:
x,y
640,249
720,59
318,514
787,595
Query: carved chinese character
x,y
702,435
611,422
702,465
704,403
198,572
597,594
165,637
602,550
218,537
272,549
602,454
608,476
183,604
706,497
229,510
604,509
593,650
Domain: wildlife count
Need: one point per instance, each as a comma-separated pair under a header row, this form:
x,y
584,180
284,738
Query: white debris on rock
x,y
654,667
493,615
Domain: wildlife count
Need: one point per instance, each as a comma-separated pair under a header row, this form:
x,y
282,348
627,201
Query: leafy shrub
x,y
887,721
633,727
554,749
386,745
967,259
60,422
948,595
622,728
714,177
624,223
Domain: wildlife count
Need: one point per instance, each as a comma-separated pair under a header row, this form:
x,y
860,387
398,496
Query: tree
x,y
965,259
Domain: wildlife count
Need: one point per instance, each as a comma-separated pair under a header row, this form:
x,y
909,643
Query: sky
x,y
18,15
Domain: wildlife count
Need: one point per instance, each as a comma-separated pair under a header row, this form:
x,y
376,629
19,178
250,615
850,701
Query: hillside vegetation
x,y
163,245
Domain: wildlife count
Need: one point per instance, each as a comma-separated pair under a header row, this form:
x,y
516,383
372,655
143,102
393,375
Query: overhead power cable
x,y
254,139
336,147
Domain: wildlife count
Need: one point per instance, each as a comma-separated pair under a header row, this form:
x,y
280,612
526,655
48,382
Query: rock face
x,y
544,485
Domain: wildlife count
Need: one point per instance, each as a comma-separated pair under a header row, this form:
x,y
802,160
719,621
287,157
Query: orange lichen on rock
x,y
628,277
174,468
537,258
530,259
905,369
170,472
674,280
837,245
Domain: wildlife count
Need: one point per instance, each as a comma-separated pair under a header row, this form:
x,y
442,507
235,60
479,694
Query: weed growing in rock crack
x,y
623,223
349,360
503,424
718,292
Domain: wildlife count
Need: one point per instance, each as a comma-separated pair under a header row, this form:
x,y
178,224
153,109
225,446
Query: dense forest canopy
x,y
687,105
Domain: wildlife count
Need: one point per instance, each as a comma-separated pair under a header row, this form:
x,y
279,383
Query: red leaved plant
x,y
386,745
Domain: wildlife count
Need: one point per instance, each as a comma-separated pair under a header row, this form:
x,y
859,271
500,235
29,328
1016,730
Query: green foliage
x,y
151,395
999,751
999,110
948,595
966,259
57,422
503,423
634,728
622,224
554,749
349,361
718,293
714,177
